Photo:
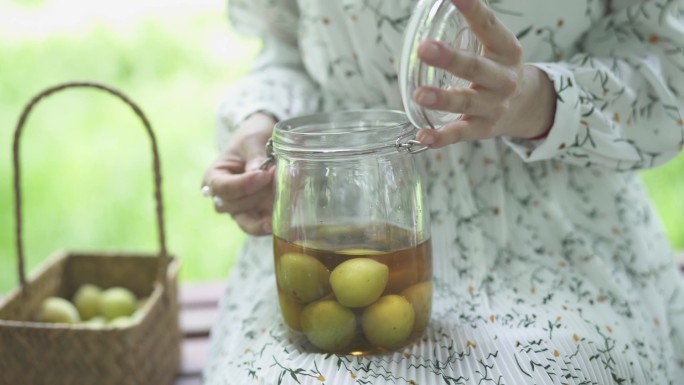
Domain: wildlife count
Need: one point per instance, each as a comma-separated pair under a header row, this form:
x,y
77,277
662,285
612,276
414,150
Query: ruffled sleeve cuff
x,y
566,122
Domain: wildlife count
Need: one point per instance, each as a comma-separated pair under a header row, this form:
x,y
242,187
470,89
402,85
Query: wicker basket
x,y
144,352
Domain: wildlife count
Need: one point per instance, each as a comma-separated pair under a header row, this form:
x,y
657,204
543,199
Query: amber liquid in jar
x,y
354,289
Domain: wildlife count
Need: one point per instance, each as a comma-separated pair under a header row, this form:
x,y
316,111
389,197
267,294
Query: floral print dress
x,y
550,265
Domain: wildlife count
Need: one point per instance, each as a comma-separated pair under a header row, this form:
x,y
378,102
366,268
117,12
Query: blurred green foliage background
x,y
86,162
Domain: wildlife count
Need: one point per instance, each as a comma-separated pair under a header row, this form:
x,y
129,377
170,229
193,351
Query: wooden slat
x,y
198,311
199,308
200,294
195,352
197,321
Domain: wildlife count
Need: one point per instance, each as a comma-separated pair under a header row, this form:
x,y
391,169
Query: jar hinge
x,y
270,155
410,145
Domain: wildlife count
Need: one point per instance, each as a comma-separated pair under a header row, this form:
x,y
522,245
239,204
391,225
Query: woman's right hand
x,y
235,181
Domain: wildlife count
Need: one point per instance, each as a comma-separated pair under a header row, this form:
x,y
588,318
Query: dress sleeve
x,y
278,83
620,100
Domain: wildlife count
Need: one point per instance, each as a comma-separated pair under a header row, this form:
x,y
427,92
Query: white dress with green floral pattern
x,y
550,265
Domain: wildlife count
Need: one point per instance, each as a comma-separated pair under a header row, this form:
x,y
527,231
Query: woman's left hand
x,y
506,98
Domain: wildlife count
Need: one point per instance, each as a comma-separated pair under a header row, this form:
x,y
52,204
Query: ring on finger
x,y
218,201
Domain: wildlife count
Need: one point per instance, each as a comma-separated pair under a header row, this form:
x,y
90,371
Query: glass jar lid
x,y
432,20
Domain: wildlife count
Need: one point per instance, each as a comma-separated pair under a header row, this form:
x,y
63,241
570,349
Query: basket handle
x,y
17,174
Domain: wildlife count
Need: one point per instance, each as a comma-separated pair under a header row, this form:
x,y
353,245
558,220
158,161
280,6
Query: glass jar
x,y
353,257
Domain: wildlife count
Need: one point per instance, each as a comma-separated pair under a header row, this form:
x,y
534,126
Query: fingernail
x,y
425,138
427,98
429,51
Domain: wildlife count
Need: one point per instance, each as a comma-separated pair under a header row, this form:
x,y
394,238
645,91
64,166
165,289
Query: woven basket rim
x,y
155,295
172,269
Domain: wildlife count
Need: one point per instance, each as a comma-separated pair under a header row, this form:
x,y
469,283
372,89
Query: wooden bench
x,y
198,311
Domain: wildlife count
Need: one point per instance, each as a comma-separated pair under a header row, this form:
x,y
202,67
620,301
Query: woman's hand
x,y
507,98
235,181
